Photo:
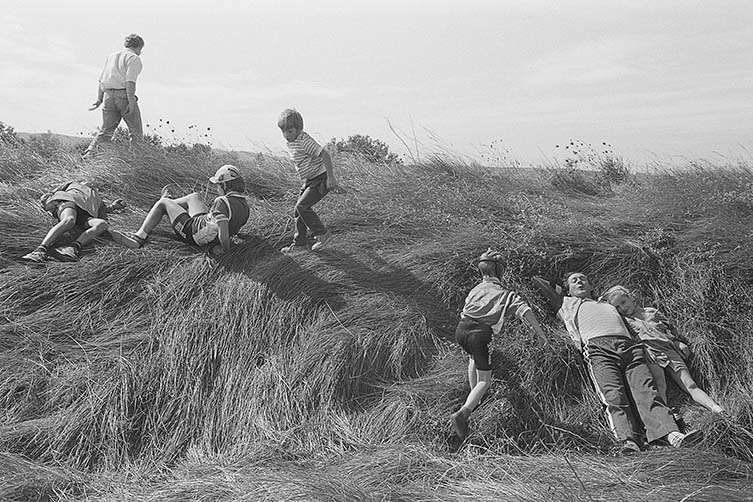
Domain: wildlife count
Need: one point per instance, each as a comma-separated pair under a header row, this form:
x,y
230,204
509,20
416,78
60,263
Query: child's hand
x,y
217,250
332,185
684,349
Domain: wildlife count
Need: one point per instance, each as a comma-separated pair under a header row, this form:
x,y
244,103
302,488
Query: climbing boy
x,y
314,166
486,308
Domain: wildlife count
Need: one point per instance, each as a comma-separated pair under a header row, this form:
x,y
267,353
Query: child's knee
x,y
67,222
99,226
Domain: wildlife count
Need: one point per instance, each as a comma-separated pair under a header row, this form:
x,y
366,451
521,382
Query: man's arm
x,y
131,92
100,97
553,297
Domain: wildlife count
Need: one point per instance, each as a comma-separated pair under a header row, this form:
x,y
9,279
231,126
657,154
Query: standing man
x,y
117,86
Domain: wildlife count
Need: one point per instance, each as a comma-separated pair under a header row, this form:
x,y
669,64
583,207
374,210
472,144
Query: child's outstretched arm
x,y
331,182
553,297
530,318
224,235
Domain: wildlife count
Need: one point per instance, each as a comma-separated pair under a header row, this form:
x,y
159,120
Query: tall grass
x,y
328,363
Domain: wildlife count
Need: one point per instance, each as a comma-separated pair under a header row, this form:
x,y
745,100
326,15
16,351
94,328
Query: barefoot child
x,y
486,308
665,352
192,221
314,166
72,204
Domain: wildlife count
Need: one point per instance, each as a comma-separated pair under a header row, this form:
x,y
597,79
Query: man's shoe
x,y
629,446
67,253
39,255
132,241
320,241
460,424
680,440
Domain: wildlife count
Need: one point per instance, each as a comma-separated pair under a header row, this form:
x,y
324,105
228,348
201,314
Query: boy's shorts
x,y
664,354
195,230
475,337
81,216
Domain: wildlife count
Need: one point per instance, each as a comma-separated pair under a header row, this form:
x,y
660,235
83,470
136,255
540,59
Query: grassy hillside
x,y
166,374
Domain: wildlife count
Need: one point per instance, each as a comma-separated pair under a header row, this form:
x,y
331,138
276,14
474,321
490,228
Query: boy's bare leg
x,y
483,381
170,207
67,221
685,381
94,228
472,377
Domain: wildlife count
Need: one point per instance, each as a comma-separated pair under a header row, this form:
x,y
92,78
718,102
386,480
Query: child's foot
x,y
680,440
39,255
294,248
67,253
132,241
460,424
629,446
320,241
167,191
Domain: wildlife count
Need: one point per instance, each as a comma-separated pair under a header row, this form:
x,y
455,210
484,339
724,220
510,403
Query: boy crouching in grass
x,y
314,166
72,204
193,222
486,307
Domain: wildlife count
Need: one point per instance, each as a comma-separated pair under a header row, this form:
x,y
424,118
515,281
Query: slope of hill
x,y
167,374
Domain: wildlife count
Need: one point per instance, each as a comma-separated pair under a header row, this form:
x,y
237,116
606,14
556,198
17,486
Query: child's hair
x,y
614,291
236,185
488,261
290,118
134,41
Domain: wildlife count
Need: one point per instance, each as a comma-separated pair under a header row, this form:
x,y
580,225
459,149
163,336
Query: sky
x,y
495,79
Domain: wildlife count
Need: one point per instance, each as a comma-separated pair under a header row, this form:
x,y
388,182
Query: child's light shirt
x,y
586,319
489,303
650,324
305,153
82,195
231,207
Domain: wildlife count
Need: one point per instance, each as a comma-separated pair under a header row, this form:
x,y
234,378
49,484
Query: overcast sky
x,y
654,79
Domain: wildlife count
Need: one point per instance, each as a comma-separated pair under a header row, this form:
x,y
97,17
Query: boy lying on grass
x,y
616,364
665,351
191,219
73,204
486,308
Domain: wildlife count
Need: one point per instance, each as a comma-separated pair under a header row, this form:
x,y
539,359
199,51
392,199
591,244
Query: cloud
x,y
593,62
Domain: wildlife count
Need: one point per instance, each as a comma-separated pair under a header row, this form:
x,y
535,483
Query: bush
x,y
371,149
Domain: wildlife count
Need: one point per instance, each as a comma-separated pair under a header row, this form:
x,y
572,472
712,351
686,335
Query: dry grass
x,y
330,376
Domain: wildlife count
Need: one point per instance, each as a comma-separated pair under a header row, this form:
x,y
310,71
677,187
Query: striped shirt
x,y
305,153
489,303
120,67
586,319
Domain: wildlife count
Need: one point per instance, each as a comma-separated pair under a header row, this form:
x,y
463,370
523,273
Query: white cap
x,y
226,173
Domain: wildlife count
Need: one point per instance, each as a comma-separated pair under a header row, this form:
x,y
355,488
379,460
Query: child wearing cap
x,y
190,218
314,166
665,351
485,310
73,204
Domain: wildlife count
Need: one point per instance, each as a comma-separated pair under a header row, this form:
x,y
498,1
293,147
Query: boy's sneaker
x,y
132,241
460,423
320,241
680,440
294,248
629,446
39,255
67,253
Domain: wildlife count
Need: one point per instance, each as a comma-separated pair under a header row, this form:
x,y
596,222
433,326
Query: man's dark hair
x,y
133,41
